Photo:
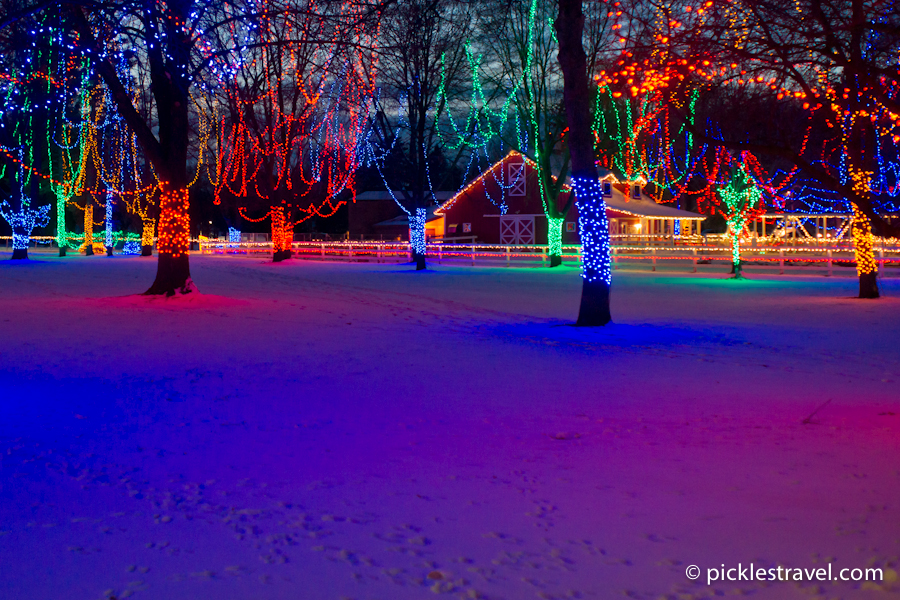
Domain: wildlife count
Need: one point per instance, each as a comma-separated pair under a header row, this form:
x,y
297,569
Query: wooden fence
x,y
691,258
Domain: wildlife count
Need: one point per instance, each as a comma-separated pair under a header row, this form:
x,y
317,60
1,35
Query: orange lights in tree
x,y
174,222
863,240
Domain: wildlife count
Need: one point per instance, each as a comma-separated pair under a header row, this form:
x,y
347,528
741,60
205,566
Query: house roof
x,y
646,207
620,201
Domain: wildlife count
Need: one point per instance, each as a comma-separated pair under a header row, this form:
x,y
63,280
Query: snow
x,y
322,431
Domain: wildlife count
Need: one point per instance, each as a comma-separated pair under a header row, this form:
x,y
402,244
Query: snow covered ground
x,y
325,431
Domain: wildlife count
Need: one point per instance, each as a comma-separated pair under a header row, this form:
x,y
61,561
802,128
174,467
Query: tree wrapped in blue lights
x,y
23,218
596,272
23,223
424,40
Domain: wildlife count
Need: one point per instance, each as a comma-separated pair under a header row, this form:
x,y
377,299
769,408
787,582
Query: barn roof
x,y
620,202
440,209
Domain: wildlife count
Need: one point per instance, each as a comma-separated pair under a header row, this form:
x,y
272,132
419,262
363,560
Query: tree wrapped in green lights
x,y
741,201
68,85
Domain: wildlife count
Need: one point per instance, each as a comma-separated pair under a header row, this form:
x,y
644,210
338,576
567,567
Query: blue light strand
x,y
593,226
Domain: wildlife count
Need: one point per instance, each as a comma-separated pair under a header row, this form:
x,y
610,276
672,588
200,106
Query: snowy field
x,y
327,431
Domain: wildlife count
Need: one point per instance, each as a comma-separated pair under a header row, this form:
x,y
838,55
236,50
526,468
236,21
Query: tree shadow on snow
x,y
617,335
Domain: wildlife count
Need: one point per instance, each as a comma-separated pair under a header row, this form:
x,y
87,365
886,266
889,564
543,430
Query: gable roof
x,y
499,164
621,202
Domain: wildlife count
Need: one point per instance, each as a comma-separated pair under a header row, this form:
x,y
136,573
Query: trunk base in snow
x,y
20,254
173,276
89,250
62,250
419,259
555,260
146,250
868,285
737,271
594,310
109,251
280,255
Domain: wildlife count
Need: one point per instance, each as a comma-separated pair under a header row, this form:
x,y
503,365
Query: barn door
x,y
516,230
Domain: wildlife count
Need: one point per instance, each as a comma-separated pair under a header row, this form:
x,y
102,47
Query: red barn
x,y
503,206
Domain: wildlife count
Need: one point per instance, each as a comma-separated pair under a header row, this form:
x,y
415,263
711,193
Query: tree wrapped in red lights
x,y
171,49
160,44
834,60
292,135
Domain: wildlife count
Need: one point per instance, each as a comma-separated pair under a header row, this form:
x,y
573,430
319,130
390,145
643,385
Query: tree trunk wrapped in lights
x,y
417,242
282,228
282,235
287,241
108,224
736,228
173,275
861,225
554,239
87,244
593,223
148,233
863,247
62,236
